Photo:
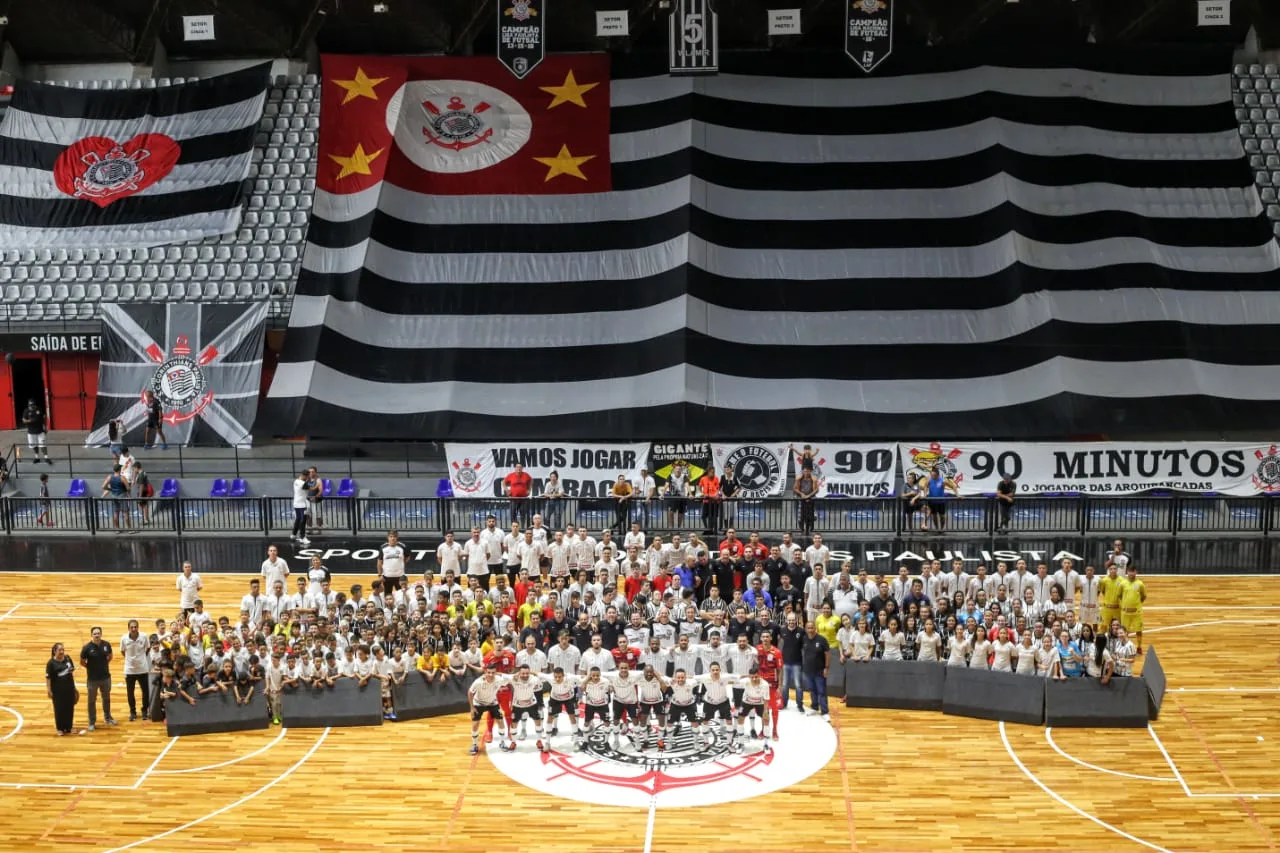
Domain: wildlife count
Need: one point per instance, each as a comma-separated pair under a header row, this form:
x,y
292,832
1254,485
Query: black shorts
x,y
938,507
677,504
153,424
556,707
647,708
595,712
533,711
391,584
745,708
494,712
737,697
910,507
676,713
632,711
714,710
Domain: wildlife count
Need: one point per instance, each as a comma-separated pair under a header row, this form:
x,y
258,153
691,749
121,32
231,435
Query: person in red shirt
x,y
756,550
633,584
523,587
769,660
517,486
661,581
505,661
733,545
626,652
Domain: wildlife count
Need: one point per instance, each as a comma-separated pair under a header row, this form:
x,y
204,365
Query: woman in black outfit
x,y
59,674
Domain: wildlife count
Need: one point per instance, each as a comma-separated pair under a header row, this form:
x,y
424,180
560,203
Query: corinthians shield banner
x,y
203,363
522,41
868,33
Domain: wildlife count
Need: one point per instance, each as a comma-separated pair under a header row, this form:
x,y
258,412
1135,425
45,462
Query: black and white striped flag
x,y
136,167
1026,249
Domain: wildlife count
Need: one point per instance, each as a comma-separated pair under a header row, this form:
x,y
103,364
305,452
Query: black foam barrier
x,y
990,695
216,712
1153,674
835,676
416,699
907,685
1121,703
346,703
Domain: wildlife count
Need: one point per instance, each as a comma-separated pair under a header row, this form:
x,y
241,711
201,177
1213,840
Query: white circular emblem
x,y
685,774
756,470
178,382
456,126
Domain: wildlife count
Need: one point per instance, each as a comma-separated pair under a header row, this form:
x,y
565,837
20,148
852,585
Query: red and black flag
x,y
132,167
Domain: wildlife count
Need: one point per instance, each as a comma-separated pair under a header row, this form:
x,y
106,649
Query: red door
x,y
73,386
89,378
8,418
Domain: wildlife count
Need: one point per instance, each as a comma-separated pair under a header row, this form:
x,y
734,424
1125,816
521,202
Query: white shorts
x,y
1089,614
35,439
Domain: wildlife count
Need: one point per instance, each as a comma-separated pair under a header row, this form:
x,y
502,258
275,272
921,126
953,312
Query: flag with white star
x,y
201,361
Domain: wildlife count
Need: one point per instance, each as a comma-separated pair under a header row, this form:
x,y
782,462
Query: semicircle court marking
x,y
226,763
1063,801
17,728
224,809
1048,735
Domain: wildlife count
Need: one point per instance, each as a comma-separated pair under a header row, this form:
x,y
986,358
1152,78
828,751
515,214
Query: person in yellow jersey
x,y
1133,594
828,625
1109,595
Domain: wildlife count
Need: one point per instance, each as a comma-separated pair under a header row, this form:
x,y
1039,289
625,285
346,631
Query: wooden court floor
x,y
1205,777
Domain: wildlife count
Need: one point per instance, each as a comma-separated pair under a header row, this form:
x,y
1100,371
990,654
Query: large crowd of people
x,y
555,628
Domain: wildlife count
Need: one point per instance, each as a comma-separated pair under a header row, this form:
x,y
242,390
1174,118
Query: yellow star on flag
x,y
357,163
570,92
362,86
564,163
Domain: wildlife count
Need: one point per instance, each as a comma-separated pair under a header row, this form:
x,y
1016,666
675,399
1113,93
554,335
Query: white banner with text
x,y
585,470
849,470
1097,468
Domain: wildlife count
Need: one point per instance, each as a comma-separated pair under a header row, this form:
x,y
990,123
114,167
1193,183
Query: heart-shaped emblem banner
x,y
102,170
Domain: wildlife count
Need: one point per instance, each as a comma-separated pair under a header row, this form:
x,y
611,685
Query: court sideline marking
x,y
12,610
844,783
1048,735
648,827
1054,795
224,809
17,728
226,763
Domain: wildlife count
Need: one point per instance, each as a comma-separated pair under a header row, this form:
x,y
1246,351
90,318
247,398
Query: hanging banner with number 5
x,y
694,33
1098,468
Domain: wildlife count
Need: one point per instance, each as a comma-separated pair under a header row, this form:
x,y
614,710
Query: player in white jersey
x,y
1089,609
558,553
583,551
755,699
562,698
449,554
653,695
683,692
526,703
716,691
482,696
595,700
626,702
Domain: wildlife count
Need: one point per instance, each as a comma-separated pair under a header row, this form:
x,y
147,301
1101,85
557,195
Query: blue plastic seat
x,y
347,488
170,488
239,488
219,489
79,488
326,487
444,489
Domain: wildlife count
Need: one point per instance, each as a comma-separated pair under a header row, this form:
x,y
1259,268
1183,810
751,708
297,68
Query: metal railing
x,y
1166,515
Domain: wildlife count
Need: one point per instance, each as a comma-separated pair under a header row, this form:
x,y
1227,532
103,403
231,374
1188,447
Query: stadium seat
x,y
444,488
347,488
78,489
170,488
326,487
219,488
239,488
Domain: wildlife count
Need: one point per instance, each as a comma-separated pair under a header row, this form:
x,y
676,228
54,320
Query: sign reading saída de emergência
x,y
868,33
522,37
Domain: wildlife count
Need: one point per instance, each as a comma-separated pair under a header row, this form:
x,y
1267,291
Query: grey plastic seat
x,y
143,291
110,292
256,253
20,273
211,290
239,253
227,290
199,272
217,272
93,292
160,291
61,293
126,292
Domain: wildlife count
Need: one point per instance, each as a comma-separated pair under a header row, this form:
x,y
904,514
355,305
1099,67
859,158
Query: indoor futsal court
x,y
1204,777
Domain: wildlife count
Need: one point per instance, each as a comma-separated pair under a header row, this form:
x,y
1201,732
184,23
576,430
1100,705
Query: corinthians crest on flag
x,y
203,363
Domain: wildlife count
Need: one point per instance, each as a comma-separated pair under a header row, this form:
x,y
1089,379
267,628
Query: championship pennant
x,y
695,38
522,35
868,32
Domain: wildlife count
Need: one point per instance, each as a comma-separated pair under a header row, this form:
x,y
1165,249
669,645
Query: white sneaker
x,y
304,541
826,717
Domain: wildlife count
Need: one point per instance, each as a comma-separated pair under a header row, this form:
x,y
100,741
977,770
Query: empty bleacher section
x,y
1257,100
260,261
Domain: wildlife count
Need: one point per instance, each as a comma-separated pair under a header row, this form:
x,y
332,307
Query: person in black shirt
x,y
1005,490
96,658
155,421
790,639
815,660
33,417
59,675
728,489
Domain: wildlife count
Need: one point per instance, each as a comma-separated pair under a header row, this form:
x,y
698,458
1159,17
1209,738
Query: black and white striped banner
x,y
138,167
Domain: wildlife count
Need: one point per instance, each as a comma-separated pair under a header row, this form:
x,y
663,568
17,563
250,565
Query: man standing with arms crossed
x,y
137,669
492,537
816,655
96,657
391,563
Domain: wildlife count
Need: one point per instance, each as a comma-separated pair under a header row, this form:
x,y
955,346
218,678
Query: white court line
x,y
648,829
224,809
229,762
1183,782
114,686
1264,796
1061,801
162,754
12,610
18,728
1210,607
1213,622
1048,735
65,787
1245,691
